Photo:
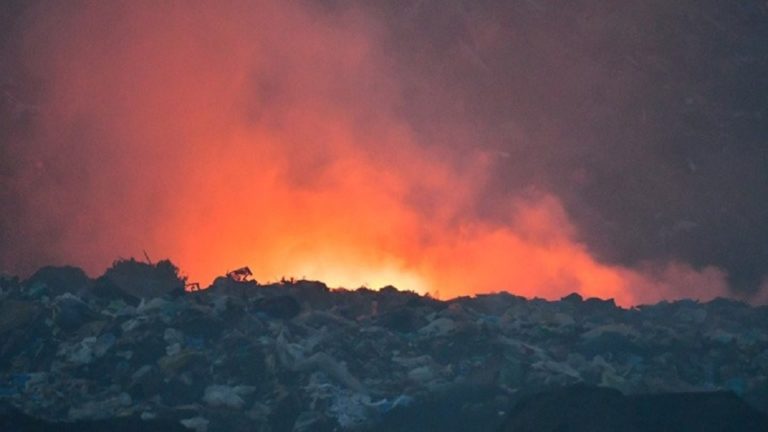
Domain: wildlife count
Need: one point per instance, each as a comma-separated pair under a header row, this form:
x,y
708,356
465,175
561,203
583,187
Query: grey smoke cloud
x,y
646,121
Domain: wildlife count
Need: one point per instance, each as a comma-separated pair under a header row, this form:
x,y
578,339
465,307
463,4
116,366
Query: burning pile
x,y
298,356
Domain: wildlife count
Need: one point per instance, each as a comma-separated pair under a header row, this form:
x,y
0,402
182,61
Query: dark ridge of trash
x,y
55,281
296,355
591,409
139,279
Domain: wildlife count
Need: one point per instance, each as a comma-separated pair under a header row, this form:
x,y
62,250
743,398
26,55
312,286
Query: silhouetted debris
x,y
240,275
53,281
143,280
227,286
296,355
192,286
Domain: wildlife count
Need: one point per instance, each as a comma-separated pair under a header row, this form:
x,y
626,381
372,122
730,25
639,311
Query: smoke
x,y
646,120
303,140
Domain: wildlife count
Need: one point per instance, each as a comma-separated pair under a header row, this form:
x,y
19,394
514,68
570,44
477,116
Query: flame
x,y
270,134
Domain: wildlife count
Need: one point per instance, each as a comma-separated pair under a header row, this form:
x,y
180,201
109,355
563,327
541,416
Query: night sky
x,y
618,149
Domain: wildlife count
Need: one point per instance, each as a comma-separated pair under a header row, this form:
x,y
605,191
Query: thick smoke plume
x,y
305,139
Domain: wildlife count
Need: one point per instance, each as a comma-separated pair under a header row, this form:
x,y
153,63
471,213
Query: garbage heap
x,y
298,356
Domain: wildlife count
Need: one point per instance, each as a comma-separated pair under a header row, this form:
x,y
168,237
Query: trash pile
x,y
298,356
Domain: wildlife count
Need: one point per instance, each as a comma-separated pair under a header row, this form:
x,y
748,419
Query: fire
x,y
270,134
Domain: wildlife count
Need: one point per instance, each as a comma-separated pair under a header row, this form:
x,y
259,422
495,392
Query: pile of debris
x,y
298,356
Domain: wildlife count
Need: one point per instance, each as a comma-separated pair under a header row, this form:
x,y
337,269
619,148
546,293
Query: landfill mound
x,y
135,345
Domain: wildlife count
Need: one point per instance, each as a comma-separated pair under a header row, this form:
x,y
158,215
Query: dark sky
x,y
647,120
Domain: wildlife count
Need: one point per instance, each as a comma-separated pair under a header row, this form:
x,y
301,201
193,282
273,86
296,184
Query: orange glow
x,y
268,135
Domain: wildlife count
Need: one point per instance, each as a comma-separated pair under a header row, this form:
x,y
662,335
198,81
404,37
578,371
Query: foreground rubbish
x,y
297,356
584,409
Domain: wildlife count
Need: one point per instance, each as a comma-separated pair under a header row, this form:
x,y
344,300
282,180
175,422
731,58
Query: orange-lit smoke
x,y
269,134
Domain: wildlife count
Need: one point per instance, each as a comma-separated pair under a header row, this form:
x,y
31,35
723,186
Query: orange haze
x,y
270,134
